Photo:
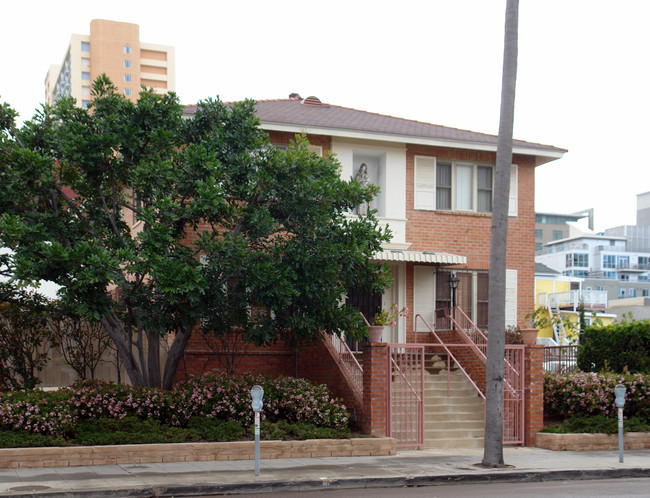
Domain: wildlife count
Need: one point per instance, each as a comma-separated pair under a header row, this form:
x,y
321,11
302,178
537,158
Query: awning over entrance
x,y
422,257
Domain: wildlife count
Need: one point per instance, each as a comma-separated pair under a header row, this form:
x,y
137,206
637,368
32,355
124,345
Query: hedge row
x,y
584,394
217,397
621,347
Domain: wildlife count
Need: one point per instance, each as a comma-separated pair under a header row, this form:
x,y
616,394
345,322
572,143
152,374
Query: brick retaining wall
x,y
71,456
586,442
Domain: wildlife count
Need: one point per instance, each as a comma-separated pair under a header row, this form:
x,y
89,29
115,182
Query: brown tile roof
x,y
311,113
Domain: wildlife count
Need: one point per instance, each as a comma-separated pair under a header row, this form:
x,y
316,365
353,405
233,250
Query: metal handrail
x,y
472,332
349,362
450,356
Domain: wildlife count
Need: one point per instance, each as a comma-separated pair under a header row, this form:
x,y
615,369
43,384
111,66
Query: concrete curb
x,y
348,483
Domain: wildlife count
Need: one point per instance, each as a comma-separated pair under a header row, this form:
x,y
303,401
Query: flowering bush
x,y
390,316
587,394
211,396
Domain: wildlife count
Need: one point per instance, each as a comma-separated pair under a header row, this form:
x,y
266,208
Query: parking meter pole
x,y
620,435
619,393
257,393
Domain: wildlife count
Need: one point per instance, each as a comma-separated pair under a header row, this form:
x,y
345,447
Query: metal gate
x,y
405,407
513,395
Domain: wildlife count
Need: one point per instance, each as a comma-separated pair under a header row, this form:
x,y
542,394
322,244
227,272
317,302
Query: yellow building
x,y
113,48
557,302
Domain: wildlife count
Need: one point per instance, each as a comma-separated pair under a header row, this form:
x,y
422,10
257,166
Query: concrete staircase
x,y
455,421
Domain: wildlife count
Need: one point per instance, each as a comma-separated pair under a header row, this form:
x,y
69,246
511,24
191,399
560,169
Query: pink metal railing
x,y
513,399
450,356
513,393
472,335
349,363
405,407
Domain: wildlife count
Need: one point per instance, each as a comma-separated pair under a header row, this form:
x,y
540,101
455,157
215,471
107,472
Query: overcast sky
x,y
583,81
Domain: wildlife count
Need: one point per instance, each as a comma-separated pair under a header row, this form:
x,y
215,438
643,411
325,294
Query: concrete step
x,y
442,443
433,425
434,434
445,417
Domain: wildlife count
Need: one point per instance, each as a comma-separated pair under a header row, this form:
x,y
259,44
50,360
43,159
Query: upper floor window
x,y
85,46
557,234
127,92
609,261
539,233
127,77
127,49
127,63
577,259
85,76
85,61
457,186
85,104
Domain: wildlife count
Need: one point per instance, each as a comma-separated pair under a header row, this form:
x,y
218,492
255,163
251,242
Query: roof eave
x,y
543,155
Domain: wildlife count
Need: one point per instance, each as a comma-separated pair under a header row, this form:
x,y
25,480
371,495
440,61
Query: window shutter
x,y
425,183
511,298
513,208
423,296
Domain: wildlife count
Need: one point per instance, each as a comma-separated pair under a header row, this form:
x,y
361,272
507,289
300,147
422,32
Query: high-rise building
x,y
113,48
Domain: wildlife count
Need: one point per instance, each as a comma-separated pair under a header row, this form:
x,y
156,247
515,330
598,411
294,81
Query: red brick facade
x,y
460,233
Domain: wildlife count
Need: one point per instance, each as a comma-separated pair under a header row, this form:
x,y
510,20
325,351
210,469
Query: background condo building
x,y
113,48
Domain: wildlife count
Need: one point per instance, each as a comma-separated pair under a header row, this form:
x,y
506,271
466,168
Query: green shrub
x,y
127,430
598,424
284,430
621,347
585,394
210,429
24,439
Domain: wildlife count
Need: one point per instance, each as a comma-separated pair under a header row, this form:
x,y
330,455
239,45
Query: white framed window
x,y
85,76
85,104
127,63
85,61
127,92
127,49
85,46
127,77
442,184
513,202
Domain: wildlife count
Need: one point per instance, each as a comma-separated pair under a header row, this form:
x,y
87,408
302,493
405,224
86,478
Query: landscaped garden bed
x,y
580,413
210,408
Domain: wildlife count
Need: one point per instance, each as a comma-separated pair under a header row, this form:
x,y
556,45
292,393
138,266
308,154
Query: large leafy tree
x,y
152,224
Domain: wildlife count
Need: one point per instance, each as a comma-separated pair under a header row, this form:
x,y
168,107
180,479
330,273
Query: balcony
x,y
570,300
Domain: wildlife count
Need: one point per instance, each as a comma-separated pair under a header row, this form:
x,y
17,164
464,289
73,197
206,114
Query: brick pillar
x,y
534,389
375,385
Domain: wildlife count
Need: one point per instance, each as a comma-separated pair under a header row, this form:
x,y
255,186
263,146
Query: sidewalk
x,y
406,468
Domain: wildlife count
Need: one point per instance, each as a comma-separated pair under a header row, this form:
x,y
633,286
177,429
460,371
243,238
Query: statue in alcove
x,y
362,178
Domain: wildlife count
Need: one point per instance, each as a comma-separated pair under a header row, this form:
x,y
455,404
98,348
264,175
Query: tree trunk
x,y
153,359
174,356
115,329
493,446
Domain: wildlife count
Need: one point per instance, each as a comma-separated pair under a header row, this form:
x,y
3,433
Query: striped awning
x,y
422,257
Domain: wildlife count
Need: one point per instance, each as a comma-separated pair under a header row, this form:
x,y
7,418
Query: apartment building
x,y
616,261
113,48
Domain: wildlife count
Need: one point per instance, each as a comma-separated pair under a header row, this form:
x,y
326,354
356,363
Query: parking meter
x,y
619,394
257,394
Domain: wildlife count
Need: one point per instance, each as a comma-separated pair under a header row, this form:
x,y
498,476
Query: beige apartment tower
x,y
113,48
